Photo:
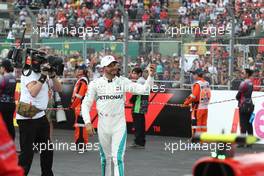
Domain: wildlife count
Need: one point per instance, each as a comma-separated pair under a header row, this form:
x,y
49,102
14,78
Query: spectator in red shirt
x,y
248,20
256,80
88,21
163,16
108,23
145,17
61,17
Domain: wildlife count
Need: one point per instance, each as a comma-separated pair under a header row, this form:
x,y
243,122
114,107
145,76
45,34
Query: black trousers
x,y
139,124
7,110
245,126
34,133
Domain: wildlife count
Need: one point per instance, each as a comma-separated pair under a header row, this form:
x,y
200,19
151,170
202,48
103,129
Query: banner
x,y
225,117
160,119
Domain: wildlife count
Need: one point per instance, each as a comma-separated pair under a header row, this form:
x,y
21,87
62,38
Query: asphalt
x,y
159,158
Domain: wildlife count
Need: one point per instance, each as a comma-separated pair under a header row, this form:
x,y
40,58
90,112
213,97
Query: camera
x,y
16,56
25,58
41,58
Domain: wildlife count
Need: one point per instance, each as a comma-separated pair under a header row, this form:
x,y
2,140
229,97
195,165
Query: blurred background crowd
x,y
148,19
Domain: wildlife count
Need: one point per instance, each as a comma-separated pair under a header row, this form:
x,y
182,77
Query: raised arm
x,y
88,102
137,88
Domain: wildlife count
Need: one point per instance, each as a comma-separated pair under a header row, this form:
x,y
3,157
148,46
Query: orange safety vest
x,y
79,91
205,94
201,95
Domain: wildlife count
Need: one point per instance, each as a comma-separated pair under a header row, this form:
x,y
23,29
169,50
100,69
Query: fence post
x,y
152,47
85,58
182,79
246,51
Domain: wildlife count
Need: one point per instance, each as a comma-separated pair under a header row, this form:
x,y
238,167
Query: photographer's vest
x,y
7,89
205,94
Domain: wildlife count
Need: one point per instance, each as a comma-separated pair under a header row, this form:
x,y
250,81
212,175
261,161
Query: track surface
x,y
154,160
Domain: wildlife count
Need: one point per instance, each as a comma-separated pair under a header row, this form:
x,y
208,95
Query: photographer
x,y
7,92
31,118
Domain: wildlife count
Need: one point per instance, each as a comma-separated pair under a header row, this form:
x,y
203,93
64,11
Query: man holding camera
x,y
31,118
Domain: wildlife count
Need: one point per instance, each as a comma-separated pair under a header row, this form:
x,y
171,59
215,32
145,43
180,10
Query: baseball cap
x,y
106,60
198,71
193,48
207,53
82,67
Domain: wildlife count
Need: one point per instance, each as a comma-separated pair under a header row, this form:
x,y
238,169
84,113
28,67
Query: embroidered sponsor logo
x,y
110,97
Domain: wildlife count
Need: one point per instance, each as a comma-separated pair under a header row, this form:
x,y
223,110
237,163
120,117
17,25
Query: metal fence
x,y
174,59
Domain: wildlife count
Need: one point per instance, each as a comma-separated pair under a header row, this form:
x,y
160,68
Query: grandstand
x,y
215,38
150,38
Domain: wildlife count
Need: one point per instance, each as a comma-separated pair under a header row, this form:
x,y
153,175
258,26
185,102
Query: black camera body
x,y
16,56
40,57
19,58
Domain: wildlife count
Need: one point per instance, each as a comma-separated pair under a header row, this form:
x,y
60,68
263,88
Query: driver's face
x,y
112,68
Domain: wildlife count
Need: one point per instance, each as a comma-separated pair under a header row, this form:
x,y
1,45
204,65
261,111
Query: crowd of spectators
x,y
205,14
101,19
170,72
105,22
170,69
147,18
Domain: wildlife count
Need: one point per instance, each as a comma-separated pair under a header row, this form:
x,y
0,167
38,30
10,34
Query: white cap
x,y
106,60
250,60
193,48
207,53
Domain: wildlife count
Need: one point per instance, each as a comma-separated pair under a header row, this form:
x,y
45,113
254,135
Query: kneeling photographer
x,y
31,117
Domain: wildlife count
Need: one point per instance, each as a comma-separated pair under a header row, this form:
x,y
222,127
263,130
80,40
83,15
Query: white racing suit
x,y
110,104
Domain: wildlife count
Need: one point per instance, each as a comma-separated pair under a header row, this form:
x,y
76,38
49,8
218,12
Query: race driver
x,y
109,94
200,98
79,91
